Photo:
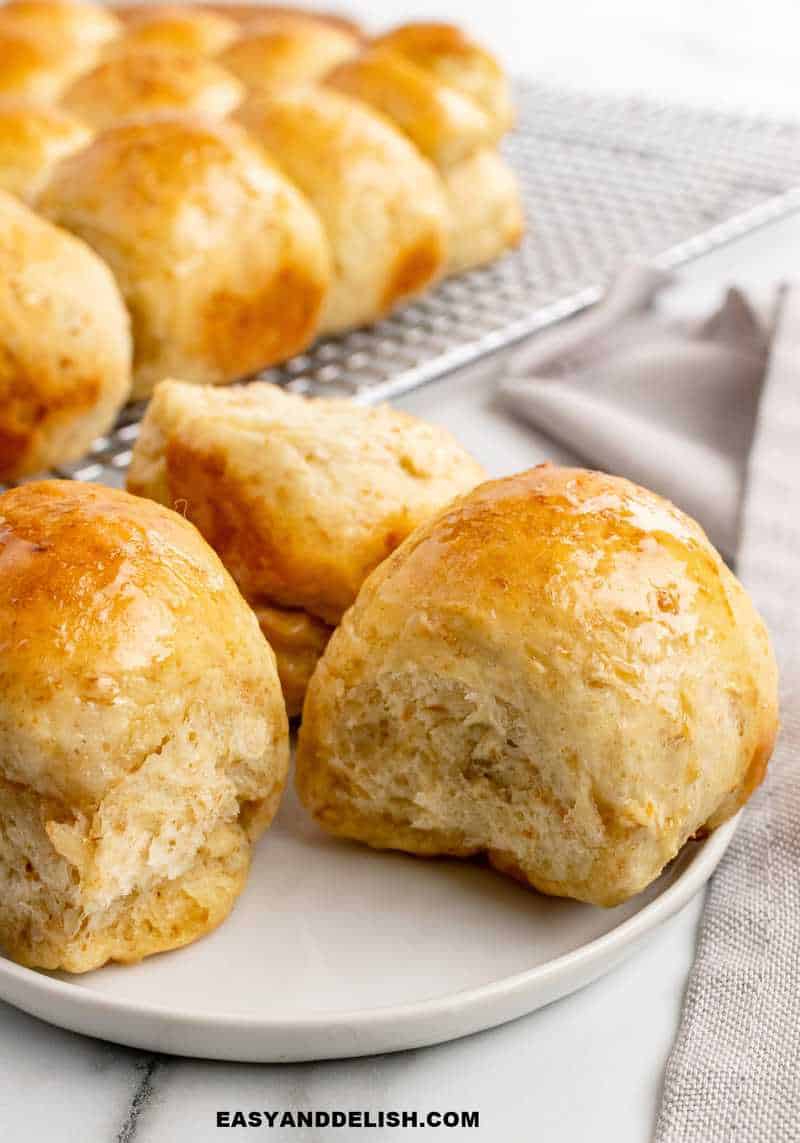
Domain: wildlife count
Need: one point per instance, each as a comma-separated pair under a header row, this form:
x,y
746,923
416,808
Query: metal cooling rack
x,y
604,179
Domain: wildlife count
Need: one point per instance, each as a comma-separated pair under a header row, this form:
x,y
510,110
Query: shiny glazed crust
x,y
65,344
283,54
33,137
559,672
152,80
227,269
143,738
445,125
380,202
185,29
222,263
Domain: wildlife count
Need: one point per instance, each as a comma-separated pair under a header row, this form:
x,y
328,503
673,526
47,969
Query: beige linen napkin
x,y
670,405
730,437
734,1071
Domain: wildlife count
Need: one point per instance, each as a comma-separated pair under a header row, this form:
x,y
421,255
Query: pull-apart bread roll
x,y
261,16
380,202
451,100
300,498
558,672
72,34
445,52
61,22
147,81
222,263
444,124
283,54
143,739
484,210
183,29
29,71
33,137
65,346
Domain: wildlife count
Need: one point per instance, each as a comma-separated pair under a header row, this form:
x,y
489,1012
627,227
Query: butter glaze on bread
x,y
558,672
451,100
181,28
61,23
445,125
143,738
380,202
65,344
300,498
222,263
33,137
28,71
444,51
286,53
152,80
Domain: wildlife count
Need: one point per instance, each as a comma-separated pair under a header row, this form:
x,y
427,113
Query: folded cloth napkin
x,y
679,408
734,1071
670,404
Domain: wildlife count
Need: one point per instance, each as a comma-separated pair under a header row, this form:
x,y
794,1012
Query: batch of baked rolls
x,y
555,671
200,192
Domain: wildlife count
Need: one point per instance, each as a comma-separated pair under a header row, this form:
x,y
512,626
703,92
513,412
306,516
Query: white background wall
x,y
732,52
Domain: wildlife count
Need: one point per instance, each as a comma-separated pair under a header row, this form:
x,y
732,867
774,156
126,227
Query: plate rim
x,y
607,949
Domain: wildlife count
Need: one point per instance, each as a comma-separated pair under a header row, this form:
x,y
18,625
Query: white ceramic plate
x,y
335,950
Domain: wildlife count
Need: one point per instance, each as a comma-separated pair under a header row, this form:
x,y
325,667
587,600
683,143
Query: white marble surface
x,y
590,1066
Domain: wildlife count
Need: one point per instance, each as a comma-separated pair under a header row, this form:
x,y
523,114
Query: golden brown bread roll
x,y
298,640
65,346
61,23
284,54
145,81
143,738
449,97
250,15
484,210
256,17
29,71
446,52
559,672
444,124
300,498
380,202
222,263
187,29
33,137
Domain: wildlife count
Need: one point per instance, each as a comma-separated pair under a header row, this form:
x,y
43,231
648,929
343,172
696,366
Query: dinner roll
x,y
250,15
259,16
300,497
29,71
65,346
298,640
33,137
380,202
446,52
143,739
73,24
140,82
222,263
286,54
444,124
484,210
558,672
180,28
